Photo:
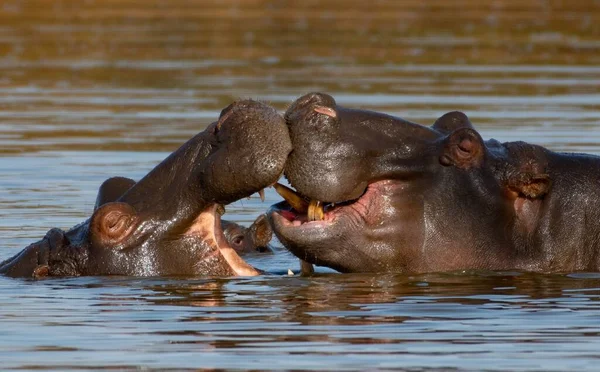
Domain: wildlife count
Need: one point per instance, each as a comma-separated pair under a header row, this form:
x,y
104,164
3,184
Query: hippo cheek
x,y
382,230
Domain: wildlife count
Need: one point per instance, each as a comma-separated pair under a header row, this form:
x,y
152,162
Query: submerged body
x,y
395,196
168,222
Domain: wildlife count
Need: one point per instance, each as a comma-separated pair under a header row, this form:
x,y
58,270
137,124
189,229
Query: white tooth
x,y
290,272
261,193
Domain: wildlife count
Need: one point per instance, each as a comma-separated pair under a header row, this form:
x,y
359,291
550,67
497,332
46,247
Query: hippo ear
x,y
112,189
112,223
529,185
527,192
261,231
452,121
464,149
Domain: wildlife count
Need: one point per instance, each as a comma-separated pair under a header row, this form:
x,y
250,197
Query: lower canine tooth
x,y
290,196
315,211
306,268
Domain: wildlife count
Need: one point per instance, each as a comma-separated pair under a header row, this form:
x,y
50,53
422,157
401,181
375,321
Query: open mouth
x,y
300,211
208,227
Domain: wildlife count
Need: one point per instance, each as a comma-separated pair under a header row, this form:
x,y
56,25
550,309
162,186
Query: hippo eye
x,y
238,240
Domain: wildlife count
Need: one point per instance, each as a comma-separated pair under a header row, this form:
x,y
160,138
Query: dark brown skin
x,y
242,239
415,199
252,239
167,223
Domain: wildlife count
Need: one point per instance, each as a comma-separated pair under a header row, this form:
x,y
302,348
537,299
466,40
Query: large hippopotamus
x,y
376,193
168,223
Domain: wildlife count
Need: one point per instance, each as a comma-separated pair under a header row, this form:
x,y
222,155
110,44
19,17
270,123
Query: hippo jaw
x,y
367,222
207,228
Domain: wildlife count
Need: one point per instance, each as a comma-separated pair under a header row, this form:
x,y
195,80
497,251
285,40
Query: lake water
x,y
93,89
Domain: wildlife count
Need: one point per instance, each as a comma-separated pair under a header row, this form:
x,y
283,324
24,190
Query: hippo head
x,y
255,238
168,223
252,239
377,193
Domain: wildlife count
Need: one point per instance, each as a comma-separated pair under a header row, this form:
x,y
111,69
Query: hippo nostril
x,y
316,98
223,118
56,238
326,111
310,98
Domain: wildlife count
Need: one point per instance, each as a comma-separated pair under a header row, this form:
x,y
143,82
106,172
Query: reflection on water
x,y
94,89
501,321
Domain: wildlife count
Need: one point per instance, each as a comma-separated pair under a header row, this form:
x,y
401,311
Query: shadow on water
x,y
94,89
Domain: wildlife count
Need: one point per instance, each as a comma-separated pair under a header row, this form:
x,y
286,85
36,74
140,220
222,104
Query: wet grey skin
x,y
168,222
243,240
407,198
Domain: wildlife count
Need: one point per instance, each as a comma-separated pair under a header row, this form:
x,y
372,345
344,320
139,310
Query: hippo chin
x,y
169,223
375,193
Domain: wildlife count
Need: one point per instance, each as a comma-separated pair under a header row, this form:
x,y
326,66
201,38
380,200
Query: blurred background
x,y
147,75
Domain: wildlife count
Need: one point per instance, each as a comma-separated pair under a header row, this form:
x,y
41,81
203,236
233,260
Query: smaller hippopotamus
x,y
242,239
168,223
254,238
377,193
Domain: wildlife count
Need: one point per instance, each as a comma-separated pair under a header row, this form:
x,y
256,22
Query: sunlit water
x,y
90,90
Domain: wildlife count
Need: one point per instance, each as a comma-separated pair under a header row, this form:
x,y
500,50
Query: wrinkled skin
x,y
411,198
242,239
167,223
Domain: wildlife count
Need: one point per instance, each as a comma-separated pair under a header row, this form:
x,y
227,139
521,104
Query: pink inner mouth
x,y
296,219
357,208
208,226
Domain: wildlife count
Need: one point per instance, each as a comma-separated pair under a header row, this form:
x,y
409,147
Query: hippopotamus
x,y
252,239
168,222
242,239
376,193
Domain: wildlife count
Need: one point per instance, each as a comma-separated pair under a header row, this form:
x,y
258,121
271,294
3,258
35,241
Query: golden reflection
x,y
145,76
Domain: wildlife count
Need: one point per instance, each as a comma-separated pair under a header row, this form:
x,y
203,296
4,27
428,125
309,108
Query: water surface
x,y
94,89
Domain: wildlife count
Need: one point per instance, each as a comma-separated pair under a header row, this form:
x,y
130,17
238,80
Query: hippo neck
x,y
158,192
